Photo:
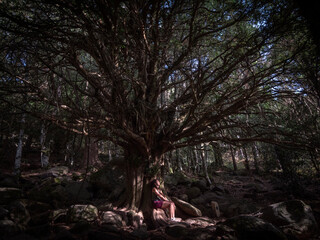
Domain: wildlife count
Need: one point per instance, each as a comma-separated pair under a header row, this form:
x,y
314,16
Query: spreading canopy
x,y
151,76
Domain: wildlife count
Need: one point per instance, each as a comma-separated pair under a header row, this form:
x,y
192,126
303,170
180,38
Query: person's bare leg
x,y
172,210
171,206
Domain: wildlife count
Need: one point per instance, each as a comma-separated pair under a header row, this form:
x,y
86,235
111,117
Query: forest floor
x,y
236,194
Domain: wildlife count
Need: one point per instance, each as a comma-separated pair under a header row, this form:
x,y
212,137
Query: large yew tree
x,y
150,76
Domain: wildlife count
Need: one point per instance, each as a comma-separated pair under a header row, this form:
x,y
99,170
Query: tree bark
x,y
217,154
204,154
17,162
235,168
255,154
45,149
246,159
91,157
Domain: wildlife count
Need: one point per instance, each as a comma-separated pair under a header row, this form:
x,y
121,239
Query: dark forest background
x,y
161,89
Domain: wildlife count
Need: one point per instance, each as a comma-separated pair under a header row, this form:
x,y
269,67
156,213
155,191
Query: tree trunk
x,y
217,154
140,171
254,150
45,149
17,162
235,168
197,162
179,165
285,159
246,159
204,154
91,154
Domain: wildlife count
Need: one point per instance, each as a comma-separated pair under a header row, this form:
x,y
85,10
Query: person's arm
x,y
159,194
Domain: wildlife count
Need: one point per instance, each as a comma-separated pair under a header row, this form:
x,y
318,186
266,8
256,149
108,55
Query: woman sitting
x,y
159,200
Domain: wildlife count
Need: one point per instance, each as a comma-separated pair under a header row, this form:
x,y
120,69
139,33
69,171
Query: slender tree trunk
x,y
204,154
235,167
255,154
197,161
246,159
217,154
91,149
109,152
179,165
285,159
45,149
17,161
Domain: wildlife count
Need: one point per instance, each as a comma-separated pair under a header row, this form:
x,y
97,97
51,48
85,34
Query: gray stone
x,y
107,179
19,213
7,195
59,171
83,213
78,190
205,198
294,217
200,222
140,233
177,230
135,219
193,192
4,213
252,228
187,207
235,208
112,218
201,184
184,197
8,227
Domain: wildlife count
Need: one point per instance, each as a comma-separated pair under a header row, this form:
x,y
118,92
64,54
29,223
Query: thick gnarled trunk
x,y
140,171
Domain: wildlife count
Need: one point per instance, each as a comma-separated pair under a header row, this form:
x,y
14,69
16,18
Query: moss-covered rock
x,y
79,213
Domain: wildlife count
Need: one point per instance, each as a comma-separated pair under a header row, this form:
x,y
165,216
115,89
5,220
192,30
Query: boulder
x,y
235,208
201,184
59,171
159,218
205,198
215,208
19,213
294,217
79,212
49,192
202,222
252,228
78,190
193,192
10,181
201,233
59,215
8,227
135,219
111,218
7,195
184,197
4,213
107,179
177,230
187,207
140,233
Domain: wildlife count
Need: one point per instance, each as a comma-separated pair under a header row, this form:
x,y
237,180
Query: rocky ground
x,y
59,204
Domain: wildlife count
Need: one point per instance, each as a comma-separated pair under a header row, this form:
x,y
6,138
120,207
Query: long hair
x,y
153,183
